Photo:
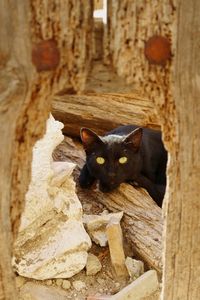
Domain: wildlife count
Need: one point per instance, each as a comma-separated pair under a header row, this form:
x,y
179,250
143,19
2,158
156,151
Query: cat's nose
x,y
111,174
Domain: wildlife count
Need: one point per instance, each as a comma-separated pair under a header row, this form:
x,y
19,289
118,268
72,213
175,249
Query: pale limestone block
x,y
59,282
49,282
52,241
78,285
135,267
93,265
142,287
66,284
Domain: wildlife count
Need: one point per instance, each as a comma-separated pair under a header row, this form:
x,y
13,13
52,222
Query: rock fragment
x,y
59,282
49,282
93,265
142,287
79,285
66,284
52,241
96,226
135,267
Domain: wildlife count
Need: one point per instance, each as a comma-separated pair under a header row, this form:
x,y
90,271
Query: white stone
x,y
52,241
59,282
142,287
49,282
93,265
79,285
135,267
66,284
96,226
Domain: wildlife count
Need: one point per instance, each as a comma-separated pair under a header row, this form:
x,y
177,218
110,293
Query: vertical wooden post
x,y
45,47
181,279
172,82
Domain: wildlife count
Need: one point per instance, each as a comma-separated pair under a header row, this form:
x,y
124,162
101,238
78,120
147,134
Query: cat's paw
x,y
133,183
85,179
85,182
107,188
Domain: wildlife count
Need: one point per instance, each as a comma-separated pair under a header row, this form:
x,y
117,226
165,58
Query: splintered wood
x,y
115,242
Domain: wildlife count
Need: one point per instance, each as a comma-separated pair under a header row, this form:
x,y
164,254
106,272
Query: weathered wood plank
x,y
102,112
181,278
142,221
40,46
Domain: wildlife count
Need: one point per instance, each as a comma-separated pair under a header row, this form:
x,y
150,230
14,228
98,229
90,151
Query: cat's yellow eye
x,y
100,160
123,160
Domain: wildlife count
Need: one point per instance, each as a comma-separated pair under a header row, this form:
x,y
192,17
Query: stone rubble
x,y
66,284
142,287
96,226
49,282
52,241
93,265
135,267
59,282
79,285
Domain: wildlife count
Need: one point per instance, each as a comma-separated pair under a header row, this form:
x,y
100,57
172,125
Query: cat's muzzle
x,y
107,188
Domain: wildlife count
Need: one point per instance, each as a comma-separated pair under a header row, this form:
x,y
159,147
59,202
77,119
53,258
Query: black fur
x,y
146,160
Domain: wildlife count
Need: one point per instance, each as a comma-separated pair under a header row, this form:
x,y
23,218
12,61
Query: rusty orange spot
x,y
158,50
46,55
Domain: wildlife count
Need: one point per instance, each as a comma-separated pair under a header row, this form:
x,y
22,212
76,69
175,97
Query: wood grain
x,y
25,96
182,210
102,112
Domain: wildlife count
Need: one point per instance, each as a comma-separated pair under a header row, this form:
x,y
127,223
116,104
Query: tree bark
x,y
41,48
142,221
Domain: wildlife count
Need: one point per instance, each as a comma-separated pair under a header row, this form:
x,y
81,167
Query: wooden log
x,y
142,221
102,112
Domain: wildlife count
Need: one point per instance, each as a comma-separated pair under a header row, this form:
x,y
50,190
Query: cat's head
x,y
112,159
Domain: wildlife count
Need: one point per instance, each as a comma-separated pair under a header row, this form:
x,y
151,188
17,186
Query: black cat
x,y
125,154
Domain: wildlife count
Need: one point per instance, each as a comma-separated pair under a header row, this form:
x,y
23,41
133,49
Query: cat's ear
x,y
89,139
133,140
